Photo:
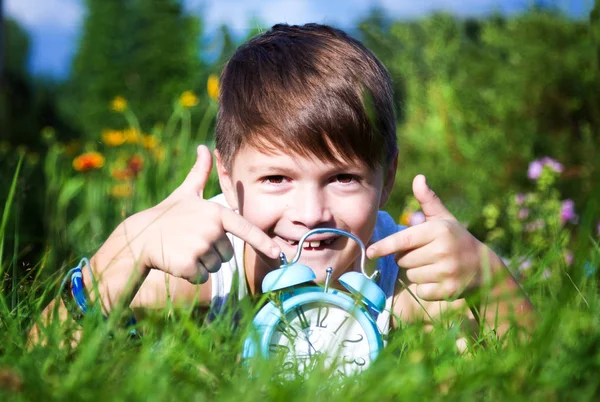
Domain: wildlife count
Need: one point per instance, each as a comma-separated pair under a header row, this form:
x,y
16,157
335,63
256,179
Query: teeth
x,y
316,243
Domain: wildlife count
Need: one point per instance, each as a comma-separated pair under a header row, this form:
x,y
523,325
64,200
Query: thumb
x,y
196,179
432,206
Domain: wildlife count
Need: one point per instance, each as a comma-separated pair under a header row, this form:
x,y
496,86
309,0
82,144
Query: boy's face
x,y
286,195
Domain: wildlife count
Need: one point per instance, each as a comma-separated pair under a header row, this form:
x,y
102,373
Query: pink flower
x,y
523,213
567,212
535,225
525,265
537,166
535,170
520,198
554,165
568,257
416,218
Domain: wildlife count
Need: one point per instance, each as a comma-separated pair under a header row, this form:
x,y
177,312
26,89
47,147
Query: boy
x,y
305,138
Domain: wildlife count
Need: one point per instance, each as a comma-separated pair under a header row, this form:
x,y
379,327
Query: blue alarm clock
x,y
310,324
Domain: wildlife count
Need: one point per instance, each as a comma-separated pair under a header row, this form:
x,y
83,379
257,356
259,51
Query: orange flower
x,y
88,161
121,174
121,190
135,164
188,99
212,86
118,104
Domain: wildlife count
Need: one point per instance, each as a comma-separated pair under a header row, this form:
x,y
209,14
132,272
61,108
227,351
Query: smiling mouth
x,y
312,245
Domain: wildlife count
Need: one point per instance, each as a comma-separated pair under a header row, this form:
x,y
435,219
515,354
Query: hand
x,y
185,234
440,256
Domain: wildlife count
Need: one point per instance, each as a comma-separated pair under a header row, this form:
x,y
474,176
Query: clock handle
x,y
363,251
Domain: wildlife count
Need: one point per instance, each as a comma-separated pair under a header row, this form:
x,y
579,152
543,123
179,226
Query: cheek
x,y
359,215
262,210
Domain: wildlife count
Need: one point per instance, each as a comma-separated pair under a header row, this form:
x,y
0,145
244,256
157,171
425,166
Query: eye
x,y
345,178
273,179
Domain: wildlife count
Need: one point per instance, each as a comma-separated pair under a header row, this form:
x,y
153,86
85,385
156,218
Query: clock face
x,y
320,333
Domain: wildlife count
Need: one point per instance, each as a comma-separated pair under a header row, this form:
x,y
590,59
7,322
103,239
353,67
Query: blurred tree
x,y
483,99
144,50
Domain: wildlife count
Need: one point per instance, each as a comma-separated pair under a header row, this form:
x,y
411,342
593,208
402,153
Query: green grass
x,y
180,357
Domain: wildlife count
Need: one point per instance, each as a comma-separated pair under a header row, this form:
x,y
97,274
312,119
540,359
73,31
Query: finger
x,y
223,246
211,260
446,290
201,274
407,239
417,257
432,206
422,275
197,178
240,227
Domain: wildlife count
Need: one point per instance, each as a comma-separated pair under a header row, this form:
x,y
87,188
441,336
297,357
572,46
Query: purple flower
x,y
537,166
535,225
523,213
598,228
535,170
520,198
554,165
568,257
416,218
525,265
567,212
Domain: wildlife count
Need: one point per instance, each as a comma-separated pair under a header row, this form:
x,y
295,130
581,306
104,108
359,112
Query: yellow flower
x,y
159,153
113,138
88,161
212,86
132,136
188,99
121,190
405,218
149,141
118,104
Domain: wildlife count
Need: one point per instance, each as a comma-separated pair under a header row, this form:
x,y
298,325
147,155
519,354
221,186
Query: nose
x,y
311,208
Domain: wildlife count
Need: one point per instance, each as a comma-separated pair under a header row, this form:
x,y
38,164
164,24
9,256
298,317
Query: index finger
x,y
405,240
240,227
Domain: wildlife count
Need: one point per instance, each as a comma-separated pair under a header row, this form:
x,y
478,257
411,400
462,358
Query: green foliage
x,y
143,50
479,99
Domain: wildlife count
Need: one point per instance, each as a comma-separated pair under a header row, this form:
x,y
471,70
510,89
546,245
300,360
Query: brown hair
x,y
311,90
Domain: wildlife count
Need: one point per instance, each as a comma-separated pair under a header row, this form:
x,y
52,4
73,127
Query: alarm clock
x,y
310,325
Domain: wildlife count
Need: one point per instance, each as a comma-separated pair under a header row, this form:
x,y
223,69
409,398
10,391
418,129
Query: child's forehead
x,y
253,158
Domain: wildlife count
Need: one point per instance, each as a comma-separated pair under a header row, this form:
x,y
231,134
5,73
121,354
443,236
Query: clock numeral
x,y
287,330
277,348
304,323
321,319
357,340
341,325
359,361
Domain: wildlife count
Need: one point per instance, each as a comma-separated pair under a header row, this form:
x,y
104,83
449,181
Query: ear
x,y
389,177
226,182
